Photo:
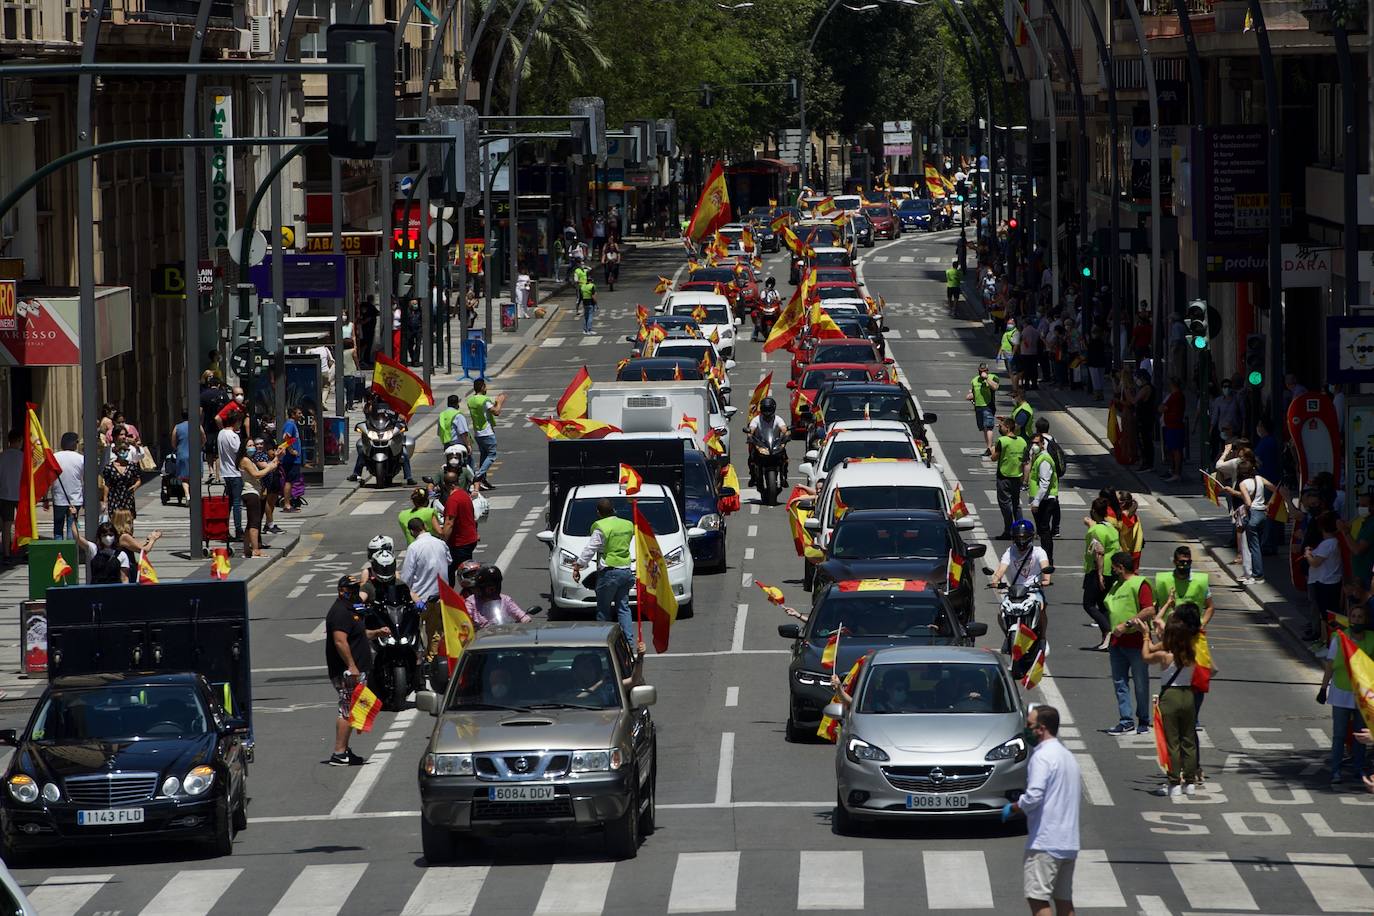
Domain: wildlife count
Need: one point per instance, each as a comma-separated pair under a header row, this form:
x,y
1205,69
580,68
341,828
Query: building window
x,y
21,20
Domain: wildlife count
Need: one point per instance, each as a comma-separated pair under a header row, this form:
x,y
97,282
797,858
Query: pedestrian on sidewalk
x,y
1325,566
1044,494
181,448
954,282
347,659
271,484
1357,539
1175,428
1054,791
484,410
1100,543
128,542
587,295
67,490
1253,493
1145,411
122,479
1006,349
1170,646
1009,451
983,393
290,458
227,444
1130,605
1337,691
254,497
1225,413
610,262
1028,354
524,285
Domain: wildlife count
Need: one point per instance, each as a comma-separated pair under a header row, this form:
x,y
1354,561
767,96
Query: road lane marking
x,y
371,507
731,696
927,334
1209,880
725,771
957,880
944,393
704,882
1333,881
1152,906
512,548
831,880
191,893
906,259
65,895
752,531
534,398
445,891
746,580
737,641
593,340
748,553
1094,882
575,889
319,889
552,342
368,774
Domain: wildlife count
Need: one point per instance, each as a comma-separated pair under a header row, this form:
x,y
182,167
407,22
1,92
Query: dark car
x,y
864,230
885,223
902,544
864,326
914,213
833,350
118,758
658,369
702,510
866,401
815,375
874,614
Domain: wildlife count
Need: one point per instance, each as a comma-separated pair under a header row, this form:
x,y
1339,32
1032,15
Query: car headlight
x,y
566,558
857,750
812,678
23,788
1015,749
674,557
710,521
198,781
597,761
51,793
448,765
171,787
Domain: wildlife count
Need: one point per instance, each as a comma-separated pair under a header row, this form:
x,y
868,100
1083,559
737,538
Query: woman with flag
x,y
1172,648
1338,690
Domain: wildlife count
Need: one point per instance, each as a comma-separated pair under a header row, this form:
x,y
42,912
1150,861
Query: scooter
x,y
765,316
395,658
768,462
1021,604
381,443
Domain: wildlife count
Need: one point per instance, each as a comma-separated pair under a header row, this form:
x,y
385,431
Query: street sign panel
x,y
305,276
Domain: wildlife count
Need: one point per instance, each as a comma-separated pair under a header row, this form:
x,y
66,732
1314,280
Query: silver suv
x,y
544,728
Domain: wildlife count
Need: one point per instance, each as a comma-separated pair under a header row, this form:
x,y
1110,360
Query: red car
x,y
733,284
885,223
813,376
834,350
836,275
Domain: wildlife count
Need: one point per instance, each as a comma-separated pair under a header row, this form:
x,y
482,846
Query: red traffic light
x,y
1012,222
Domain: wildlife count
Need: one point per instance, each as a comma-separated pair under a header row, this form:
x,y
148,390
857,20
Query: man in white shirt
x,y
66,491
1054,787
426,560
227,444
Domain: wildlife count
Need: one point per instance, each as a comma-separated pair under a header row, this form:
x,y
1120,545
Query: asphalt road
x,y
744,818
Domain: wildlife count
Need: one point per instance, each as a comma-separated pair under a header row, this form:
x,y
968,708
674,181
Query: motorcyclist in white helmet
x,y
380,543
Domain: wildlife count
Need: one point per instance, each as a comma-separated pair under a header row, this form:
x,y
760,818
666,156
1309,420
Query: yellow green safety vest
x,y
1022,415
1111,542
1194,591
1123,601
1052,490
1012,452
618,533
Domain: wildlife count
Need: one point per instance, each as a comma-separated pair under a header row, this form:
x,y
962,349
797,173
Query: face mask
x,y
238,399
108,540
1183,571
1032,737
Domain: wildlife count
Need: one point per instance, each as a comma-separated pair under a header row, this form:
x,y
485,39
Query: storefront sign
x,y
8,304
220,189
1306,267
1359,445
47,330
1237,263
1236,160
304,276
1349,348
355,244
11,268
168,279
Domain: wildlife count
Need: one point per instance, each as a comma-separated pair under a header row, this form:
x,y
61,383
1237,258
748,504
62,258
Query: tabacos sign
x,y
8,320
219,188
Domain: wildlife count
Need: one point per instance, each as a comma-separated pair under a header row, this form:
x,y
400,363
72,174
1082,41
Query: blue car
x,y
703,511
915,213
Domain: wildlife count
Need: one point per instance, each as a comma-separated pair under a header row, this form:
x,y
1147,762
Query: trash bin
x,y
474,356
509,317
43,562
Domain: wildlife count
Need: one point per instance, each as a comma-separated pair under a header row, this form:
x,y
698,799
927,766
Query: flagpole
x,y
639,599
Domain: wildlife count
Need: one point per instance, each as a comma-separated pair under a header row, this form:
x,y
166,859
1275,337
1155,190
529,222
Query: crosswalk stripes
x,y
575,890
592,340
878,258
1209,880
1335,882
927,334
447,891
319,889
1094,882
831,881
704,882
552,342
192,893
957,880
906,259
66,894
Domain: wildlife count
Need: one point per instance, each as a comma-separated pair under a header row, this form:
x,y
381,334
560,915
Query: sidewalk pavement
x,y
1197,519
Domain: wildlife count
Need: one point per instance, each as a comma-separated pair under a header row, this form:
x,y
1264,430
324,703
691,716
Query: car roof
x,y
697,297
846,365
601,490
831,249
839,341
858,424
886,474
873,435
832,284
952,655
106,679
875,387
546,634
661,362
893,515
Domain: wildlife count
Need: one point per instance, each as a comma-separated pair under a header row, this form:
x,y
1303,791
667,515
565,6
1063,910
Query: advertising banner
x,y
219,188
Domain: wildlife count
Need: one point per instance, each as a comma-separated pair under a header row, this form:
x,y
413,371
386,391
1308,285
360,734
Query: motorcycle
x,y
766,312
1021,604
395,658
768,462
381,443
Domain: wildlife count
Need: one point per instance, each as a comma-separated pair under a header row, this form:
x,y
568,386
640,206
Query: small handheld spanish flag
x,y
688,423
1036,671
772,591
664,284
956,569
713,443
1211,489
1025,638
699,313
146,574
958,508
630,480
61,569
219,563
829,728
831,650
841,507
363,708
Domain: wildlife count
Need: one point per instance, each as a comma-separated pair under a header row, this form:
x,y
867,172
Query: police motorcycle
x,y
395,657
768,454
383,444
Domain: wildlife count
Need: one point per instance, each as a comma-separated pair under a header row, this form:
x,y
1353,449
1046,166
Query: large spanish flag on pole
x,y
402,389
39,470
1361,668
713,209
458,628
792,319
934,183
653,592
573,404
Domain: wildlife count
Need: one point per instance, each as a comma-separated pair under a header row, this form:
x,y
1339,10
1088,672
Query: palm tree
x,y
561,54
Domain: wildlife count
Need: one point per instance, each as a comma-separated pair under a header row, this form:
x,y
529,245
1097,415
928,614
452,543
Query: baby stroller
x,y
171,483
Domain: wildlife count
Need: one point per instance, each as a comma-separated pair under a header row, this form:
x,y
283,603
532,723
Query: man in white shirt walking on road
x,y
1054,787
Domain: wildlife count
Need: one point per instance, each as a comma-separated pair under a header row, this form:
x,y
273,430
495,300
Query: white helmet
x,y
380,543
457,453
384,566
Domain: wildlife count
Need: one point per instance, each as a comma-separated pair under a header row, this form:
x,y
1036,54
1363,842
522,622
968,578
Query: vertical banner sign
x,y
1359,447
220,188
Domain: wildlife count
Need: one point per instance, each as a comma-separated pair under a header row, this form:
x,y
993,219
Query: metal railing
x,y
1161,7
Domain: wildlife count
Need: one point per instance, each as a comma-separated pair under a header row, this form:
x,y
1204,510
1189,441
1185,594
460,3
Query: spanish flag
x,y
713,443
796,519
146,574
458,627
400,388
664,284
841,507
1211,488
831,650
219,563
934,184
789,323
829,727
746,239
688,423
630,480
883,585
61,569
730,479
654,596
577,428
761,391
822,326
713,208
1025,638
39,470
772,591
363,708
573,404
1277,509
780,223
699,313
1036,671
1202,664
958,509
825,206
1361,668
956,569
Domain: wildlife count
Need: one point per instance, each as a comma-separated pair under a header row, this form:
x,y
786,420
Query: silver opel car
x,y
933,730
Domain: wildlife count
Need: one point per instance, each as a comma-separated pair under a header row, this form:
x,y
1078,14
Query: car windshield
x,y
660,513
814,378
659,372
696,476
911,615
881,212
868,406
851,327
832,258
839,292
686,349
845,353
715,314
925,688
580,677
861,222
712,275
847,203
915,205
858,539
892,497
120,712
821,236
841,449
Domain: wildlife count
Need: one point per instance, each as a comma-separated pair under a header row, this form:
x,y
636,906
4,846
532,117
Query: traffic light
x,y
707,95
362,108
1087,271
1195,322
1254,359
793,89
1011,223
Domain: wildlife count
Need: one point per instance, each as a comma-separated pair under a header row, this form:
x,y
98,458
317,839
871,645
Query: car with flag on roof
x,y
933,730
706,354
710,312
810,350
867,401
887,439
805,387
672,326
848,620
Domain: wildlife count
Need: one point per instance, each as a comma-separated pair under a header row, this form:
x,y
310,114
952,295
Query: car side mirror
x,y
987,570
427,701
630,338
976,550
929,417
791,384
229,726
789,631
730,410
9,737
976,629
728,492
834,710
729,364
812,455
965,524
647,695
812,524
738,321
695,532
806,469
545,537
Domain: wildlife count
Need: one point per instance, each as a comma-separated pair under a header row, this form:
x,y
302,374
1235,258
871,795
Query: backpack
x,y
105,566
1057,456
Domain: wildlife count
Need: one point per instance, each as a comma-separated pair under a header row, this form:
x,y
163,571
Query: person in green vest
x,y
421,509
484,410
982,391
1183,586
1337,689
1009,451
453,425
954,280
1100,542
1022,413
610,546
1043,482
1006,349
586,294
1130,605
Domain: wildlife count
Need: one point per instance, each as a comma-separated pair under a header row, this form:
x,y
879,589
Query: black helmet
x,y
768,407
770,282
488,577
1022,532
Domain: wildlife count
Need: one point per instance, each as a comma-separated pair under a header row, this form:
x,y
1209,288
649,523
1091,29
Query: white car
x,y
848,201
896,444
694,349
878,485
733,233
574,529
718,319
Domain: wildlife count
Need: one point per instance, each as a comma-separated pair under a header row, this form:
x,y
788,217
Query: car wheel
x,y
844,823
685,610
241,813
795,733
437,843
622,834
400,688
648,819
808,576
222,840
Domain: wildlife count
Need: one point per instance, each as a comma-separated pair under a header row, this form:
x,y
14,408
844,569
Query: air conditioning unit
x,y
261,30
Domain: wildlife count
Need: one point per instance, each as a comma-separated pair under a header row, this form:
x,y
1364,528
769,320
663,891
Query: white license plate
x,y
109,816
936,802
520,793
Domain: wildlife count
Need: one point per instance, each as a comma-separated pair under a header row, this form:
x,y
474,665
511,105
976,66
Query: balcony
x,y
1160,18
180,12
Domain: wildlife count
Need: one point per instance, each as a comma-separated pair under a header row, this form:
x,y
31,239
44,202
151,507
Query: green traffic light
x,y
1087,271
1200,343
1255,378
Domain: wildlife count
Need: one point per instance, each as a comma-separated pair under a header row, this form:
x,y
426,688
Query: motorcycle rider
x,y
488,605
1026,560
767,417
373,409
378,544
381,575
769,302
456,456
